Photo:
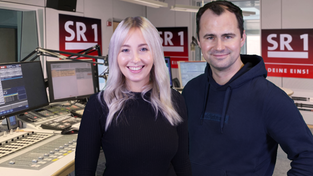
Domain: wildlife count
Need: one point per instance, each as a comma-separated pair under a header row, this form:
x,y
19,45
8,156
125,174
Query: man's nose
x,y
219,45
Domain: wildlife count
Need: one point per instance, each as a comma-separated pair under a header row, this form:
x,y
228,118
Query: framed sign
x,y
175,43
79,33
288,52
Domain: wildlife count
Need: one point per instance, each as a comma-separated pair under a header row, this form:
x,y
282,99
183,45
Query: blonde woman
x,y
138,120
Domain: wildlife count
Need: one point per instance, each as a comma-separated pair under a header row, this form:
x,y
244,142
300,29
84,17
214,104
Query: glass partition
x,y
19,33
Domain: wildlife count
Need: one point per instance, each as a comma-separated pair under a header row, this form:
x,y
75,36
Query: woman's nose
x,y
136,57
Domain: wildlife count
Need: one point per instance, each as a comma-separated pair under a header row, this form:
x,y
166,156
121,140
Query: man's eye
x,y
210,38
228,37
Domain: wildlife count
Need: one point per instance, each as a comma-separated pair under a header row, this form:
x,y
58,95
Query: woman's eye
x,y
144,49
124,50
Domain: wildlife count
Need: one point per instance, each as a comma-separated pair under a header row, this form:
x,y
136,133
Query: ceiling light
x,y
185,8
149,3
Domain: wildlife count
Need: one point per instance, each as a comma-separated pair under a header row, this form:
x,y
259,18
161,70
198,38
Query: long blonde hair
x,y
116,93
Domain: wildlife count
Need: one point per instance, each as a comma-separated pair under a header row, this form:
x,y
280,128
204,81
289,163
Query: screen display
x,y
168,64
189,70
70,80
22,88
12,122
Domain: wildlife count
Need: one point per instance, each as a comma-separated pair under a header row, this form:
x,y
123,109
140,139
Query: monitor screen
x,y
70,80
22,88
12,122
189,70
168,64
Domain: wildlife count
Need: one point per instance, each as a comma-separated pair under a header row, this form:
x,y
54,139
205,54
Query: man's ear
x,y
198,43
243,38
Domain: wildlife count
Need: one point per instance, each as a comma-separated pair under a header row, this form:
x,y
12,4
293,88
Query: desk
x,y
289,92
67,169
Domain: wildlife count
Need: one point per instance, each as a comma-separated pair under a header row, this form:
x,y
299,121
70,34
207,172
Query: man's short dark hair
x,y
219,7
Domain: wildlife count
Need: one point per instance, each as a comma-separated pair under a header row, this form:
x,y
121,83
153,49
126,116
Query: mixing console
x,y
34,118
35,152
57,117
60,123
59,109
39,151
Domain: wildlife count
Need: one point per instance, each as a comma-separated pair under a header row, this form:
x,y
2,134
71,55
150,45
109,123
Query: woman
x,y
140,123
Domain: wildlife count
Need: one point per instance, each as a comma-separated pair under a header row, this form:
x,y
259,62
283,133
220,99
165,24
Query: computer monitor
x,y
188,70
22,88
168,64
70,80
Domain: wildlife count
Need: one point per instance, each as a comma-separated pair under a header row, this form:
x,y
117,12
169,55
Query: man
x,y
237,118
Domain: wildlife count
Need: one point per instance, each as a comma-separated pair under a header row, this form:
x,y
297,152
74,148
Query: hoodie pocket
x,y
202,170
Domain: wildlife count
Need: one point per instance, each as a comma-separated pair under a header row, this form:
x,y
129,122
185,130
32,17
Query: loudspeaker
x,y
66,5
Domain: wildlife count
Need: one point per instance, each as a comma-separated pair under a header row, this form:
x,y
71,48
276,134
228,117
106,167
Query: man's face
x,y
220,41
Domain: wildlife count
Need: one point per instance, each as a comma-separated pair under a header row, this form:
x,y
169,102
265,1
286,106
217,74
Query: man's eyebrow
x,y
213,35
229,34
208,35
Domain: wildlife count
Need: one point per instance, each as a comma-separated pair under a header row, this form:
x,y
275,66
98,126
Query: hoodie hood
x,y
253,67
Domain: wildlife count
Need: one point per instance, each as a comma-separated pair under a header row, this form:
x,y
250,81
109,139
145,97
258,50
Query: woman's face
x,y
135,60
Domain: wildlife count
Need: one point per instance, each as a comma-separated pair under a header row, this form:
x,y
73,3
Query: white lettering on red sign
x,y
288,71
168,43
284,43
79,35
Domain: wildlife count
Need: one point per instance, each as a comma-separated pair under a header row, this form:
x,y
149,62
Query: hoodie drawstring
x,y
225,106
206,101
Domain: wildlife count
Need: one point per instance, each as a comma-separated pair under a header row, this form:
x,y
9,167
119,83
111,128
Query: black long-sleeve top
x,y
137,144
